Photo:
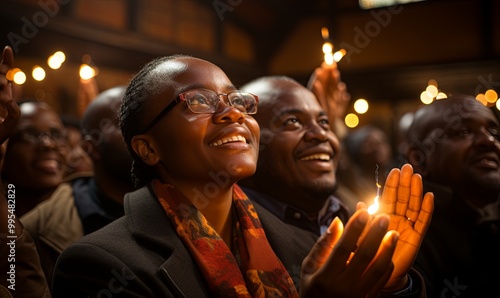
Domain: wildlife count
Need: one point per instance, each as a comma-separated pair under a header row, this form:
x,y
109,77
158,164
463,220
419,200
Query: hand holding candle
x,y
327,48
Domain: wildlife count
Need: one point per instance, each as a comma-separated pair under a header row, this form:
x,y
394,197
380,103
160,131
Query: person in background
x,y
22,275
78,162
454,144
88,202
190,230
299,154
369,154
34,158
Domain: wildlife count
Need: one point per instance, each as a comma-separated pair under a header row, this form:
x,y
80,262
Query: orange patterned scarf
x,y
259,273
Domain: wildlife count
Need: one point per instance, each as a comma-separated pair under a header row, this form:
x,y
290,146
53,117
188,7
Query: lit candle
x,y
374,207
327,46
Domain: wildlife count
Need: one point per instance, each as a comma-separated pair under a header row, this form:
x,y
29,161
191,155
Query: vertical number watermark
x,y
11,236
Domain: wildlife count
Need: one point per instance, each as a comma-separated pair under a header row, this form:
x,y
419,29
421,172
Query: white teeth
x,y
320,156
229,139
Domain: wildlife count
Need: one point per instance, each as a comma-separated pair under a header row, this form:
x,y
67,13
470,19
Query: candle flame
x,y
324,33
374,207
339,54
329,58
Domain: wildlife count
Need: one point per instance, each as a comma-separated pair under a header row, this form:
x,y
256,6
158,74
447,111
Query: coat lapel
x,y
150,226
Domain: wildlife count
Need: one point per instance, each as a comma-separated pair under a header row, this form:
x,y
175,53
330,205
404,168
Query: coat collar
x,y
150,226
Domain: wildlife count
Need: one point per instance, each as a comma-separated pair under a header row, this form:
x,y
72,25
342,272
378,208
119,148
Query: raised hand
x,y
410,215
330,91
343,265
9,111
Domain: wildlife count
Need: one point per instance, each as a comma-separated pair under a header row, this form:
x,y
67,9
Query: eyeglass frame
x,y
181,97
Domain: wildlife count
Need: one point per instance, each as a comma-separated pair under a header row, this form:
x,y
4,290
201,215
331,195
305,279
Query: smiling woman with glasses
x,y
204,101
190,231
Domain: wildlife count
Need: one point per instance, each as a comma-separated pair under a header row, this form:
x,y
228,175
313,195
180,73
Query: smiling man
x,y
34,156
299,154
455,146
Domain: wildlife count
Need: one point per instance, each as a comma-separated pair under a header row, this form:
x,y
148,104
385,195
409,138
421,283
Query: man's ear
x,y
146,149
418,159
88,145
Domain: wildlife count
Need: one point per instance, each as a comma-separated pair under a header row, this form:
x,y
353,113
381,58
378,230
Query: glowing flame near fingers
x,y
374,207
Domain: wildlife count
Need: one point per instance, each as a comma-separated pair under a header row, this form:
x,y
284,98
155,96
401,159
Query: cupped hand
x,y
342,265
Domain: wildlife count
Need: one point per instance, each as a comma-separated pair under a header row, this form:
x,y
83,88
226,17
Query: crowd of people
x,y
181,184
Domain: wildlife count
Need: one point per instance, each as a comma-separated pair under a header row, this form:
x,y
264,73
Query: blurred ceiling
x,y
393,51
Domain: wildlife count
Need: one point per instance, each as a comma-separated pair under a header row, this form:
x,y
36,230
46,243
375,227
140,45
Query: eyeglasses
x,y
204,101
36,137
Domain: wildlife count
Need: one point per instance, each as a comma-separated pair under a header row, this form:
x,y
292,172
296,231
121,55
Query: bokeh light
x,y
361,106
86,72
482,99
491,96
425,98
19,77
351,120
38,73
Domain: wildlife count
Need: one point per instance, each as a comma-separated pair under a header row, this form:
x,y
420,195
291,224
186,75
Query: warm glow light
x,y
432,82
60,56
425,97
38,73
338,55
491,95
441,95
351,120
19,77
432,90
361,106
374,207
55,61
327,47
498,105
329,58
86,72
10,73
324,33
482,99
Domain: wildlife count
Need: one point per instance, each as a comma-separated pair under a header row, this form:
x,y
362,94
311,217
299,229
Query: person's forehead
x,y
297,99
36,112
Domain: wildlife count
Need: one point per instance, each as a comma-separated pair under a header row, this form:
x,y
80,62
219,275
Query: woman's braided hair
x,y
142,87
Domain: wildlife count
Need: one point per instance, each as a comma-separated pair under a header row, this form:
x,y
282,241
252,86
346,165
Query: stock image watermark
x,y
486,83
11,237
117,283
363,37
31,26
452,288
221,7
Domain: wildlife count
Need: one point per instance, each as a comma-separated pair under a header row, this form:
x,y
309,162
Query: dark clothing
x,y
76,208
141,255
460,254
318,225
95,209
